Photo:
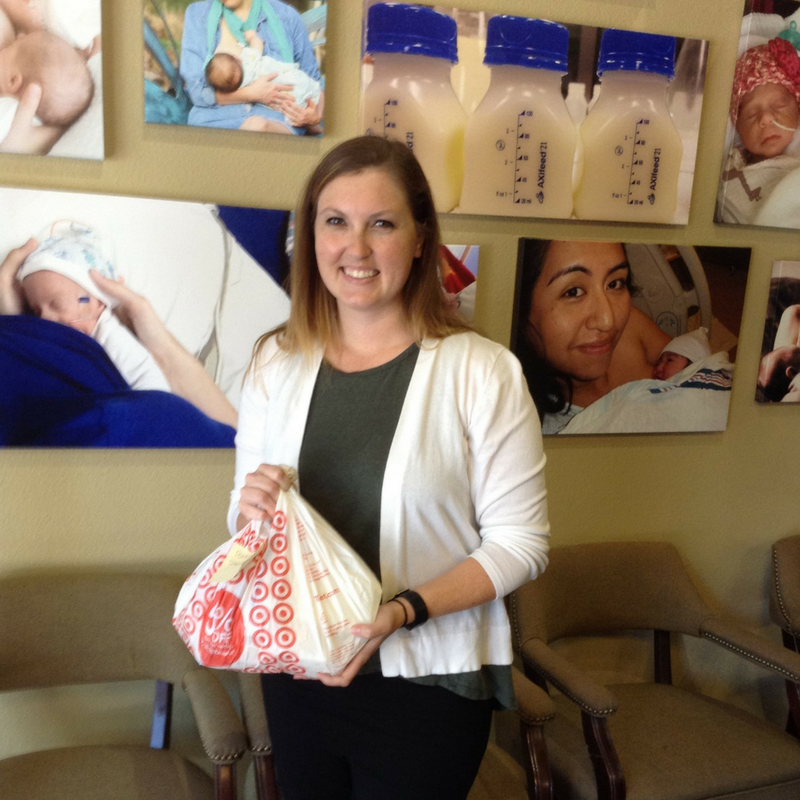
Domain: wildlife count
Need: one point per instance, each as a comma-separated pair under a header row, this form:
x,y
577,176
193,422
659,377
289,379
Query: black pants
x,y
378,739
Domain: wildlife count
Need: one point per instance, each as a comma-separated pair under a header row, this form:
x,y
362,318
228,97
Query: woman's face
x,y
580,307
365,241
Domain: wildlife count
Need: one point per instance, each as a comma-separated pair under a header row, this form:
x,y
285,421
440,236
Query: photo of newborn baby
x,y
51,78
760,180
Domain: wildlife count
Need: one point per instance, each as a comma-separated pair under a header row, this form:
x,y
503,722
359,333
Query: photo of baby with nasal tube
x,y
516,116
760,177
250,65
628,338
51,78
779,370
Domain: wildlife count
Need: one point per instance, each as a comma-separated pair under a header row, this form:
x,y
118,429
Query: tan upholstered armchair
x,y
70,629
499,778
784,610
646,741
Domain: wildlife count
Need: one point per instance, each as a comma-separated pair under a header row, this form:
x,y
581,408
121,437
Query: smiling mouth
x,y
359,274
597,348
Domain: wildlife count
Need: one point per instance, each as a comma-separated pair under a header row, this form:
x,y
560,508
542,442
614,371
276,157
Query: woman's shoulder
x,y
472,349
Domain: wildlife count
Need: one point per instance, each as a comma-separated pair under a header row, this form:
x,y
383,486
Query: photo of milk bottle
x,y
631,147
410,97
520,141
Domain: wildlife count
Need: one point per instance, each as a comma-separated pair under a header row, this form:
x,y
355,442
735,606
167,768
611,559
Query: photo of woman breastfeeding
x,y
592,352
418,441
249,65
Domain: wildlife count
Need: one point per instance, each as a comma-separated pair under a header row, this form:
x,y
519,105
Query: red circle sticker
x,y
281,590
222,632
279,566
259,615
262,639
260,591
278,543
285,637
279,521
283,613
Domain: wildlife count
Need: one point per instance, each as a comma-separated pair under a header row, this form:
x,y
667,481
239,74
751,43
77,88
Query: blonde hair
x,y
313,318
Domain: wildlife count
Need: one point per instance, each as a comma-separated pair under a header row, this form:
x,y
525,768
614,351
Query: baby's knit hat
x,y
774,62
71,249
693,346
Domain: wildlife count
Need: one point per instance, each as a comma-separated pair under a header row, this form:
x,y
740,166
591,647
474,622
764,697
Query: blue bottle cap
x,y
640,52
403,28
523,42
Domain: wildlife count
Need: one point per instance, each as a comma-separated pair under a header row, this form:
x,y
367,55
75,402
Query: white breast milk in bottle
x,y
520,141
410,97
631,147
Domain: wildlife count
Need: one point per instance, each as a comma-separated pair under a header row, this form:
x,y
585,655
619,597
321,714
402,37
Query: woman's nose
x,y
359,244
602,316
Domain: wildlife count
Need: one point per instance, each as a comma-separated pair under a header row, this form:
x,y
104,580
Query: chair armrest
x,y
534,705
221,730
753,647
592,698
254,713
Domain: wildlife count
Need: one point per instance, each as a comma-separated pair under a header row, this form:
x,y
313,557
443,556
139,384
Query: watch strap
x,y
418,604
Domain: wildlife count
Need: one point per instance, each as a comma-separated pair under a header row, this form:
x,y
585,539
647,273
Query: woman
x,y
418,441
212,26
578,334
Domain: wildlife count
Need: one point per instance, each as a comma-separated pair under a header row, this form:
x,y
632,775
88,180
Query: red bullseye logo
x,y
262,640
188,626
283,613
288,657
266,658
273,669
222,632
294,669
261,571
280,566
285,637
260,591
281,590
278,543
259,615
197,609
279,521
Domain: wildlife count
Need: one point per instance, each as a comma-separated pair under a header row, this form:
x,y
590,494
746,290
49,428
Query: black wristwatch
x,y
418,604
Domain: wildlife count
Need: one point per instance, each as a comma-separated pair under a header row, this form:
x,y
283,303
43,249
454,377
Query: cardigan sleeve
x,y
250,436
507,477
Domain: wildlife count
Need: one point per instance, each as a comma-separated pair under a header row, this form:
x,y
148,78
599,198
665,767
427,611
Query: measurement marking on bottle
x,y
388,125
521,162
637,162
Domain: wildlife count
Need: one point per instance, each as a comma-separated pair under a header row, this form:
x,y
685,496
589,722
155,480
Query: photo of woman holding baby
x,y
248,64
51,78
593,355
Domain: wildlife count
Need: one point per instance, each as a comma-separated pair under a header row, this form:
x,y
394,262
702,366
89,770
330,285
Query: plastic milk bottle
x,y
410,97
520,141
631,147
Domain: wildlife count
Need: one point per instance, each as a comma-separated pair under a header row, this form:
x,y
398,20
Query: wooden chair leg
x,y
266,788
224,781
537,766
607,769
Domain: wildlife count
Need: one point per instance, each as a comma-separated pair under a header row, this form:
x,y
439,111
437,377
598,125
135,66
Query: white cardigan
x,y
464,478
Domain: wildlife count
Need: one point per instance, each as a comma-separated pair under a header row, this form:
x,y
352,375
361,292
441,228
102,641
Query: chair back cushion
x,y
610,586
62,629
784,596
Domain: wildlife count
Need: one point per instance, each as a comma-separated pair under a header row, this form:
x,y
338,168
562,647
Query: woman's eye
x,y
573,291
384,223
618,283
333,221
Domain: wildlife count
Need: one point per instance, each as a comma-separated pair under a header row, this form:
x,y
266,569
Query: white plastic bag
x,y
279,598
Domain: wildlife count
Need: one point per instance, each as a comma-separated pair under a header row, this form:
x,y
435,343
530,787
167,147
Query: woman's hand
x,y
260,493
134,310
306,116
12,300
261,90
389,618
25,137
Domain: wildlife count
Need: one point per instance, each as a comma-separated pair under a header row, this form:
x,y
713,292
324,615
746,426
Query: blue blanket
x,y
58,388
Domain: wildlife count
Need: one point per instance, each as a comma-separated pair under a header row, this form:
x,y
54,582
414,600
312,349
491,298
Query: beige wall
x,y
722,498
